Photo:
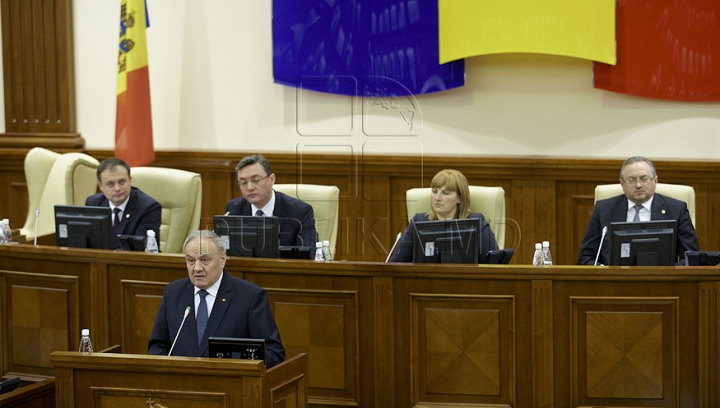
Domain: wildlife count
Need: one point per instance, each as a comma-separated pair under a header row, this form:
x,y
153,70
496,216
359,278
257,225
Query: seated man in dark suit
x,y
223,306
134,212
256,179
639,180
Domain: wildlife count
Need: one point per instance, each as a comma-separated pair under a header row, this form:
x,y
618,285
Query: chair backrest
x,y
325,201
54,178
490,201
677,191
179,192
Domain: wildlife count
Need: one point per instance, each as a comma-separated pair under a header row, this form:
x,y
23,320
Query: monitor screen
x,y
230,347
248,236
447,241
650,243
83,227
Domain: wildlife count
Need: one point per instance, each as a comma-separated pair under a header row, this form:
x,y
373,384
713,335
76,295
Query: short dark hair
x,y
109,164
636,159
255,158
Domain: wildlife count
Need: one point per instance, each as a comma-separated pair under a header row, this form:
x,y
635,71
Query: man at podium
x,y
222,306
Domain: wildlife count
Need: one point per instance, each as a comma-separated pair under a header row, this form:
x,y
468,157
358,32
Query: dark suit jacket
x,y
404,251
240,310
142,213
615,209
297,221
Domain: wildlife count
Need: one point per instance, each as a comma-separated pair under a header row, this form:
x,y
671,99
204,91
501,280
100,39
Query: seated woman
x,y
450,200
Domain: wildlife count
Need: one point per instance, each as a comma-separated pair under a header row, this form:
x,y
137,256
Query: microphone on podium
x,y
187,312
399,235
604,231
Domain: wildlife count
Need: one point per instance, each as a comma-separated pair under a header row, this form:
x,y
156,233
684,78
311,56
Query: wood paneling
x,y
42,313
542,347
38,75
546,198
395,335
107,380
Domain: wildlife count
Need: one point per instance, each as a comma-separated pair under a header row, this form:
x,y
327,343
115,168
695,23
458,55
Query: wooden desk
x,y
132,380
400,335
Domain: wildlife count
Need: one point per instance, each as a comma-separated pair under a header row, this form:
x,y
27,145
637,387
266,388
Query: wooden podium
x,y
135,380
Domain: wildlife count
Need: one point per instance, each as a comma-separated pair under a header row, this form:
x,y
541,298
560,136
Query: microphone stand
x,y
392,250
604,231
187,312
37,216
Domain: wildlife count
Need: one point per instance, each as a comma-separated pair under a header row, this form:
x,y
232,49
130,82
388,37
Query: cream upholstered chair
x,y
179,192
54,178
325,201
677,191
490,201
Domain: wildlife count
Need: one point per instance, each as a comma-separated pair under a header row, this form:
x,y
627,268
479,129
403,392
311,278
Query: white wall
x,y
212,89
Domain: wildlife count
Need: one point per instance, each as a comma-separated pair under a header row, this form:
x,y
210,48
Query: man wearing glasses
x,y
638,179
256,179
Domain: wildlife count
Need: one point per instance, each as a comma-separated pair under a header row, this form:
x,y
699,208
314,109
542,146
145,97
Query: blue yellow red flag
x,y
133,126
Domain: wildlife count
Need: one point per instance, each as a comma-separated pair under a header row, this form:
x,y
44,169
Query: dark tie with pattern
x,y
116,222
259,213
202,316
637,207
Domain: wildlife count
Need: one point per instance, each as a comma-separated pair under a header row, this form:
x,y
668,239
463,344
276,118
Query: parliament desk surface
x,y
403,335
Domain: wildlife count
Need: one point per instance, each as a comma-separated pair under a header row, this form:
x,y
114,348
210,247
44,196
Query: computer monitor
x,y
247,236
447,241
83,226
650,243
230,347
702,258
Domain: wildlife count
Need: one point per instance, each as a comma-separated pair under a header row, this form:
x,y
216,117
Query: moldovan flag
x,y
133,126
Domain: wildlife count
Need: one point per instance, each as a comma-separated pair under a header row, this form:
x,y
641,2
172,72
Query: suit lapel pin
x,y
223,299
663,211
127,215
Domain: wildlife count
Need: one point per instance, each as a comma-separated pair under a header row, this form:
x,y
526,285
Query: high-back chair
x,y
677,191
325,201
54,178
179,192
490,201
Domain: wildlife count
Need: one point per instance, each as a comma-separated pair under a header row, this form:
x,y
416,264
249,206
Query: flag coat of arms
x,y
133,126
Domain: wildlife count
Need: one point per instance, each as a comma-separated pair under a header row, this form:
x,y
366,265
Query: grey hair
x,y
211,235
636,159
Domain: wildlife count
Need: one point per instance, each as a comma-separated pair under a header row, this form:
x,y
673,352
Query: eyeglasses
x,y
254,179
643,180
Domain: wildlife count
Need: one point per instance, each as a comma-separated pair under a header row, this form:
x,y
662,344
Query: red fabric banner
x,y
666,49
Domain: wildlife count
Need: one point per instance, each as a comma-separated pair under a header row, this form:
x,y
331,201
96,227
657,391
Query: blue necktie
x,y
202,316
637,207
259,213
